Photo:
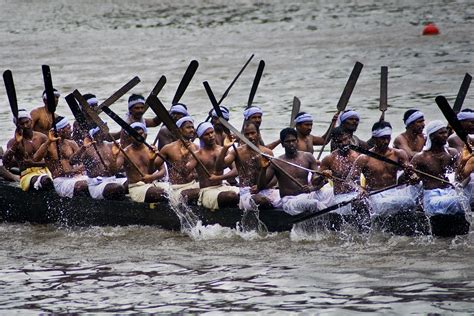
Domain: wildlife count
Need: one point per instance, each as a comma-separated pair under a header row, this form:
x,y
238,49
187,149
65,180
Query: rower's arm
x,y
225,157
272,145
266,172
152,122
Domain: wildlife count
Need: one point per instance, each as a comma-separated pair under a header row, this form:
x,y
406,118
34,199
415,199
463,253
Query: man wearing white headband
x,y
466,118
77,133
213,193
177,111
143,184
42,119
349,121
21,150
437,159
66,168
304,126
413,139
379,175
218,129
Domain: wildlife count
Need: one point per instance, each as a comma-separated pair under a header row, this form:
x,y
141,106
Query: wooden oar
x,y
395,163
256,81
119,93
156,90
462,93
383,105
344,99
51,100
183,85
307,215
452,119
11,92
162,113
295,109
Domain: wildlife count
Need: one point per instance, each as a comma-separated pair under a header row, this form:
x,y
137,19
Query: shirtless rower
x,y
102,180
20,152
77,134
248,168
412,139
4,173
136,109
213,194
294,198
183,182
42,119
68,178
177,111
254,114
379,174
438,160
218,129
466,118
144,188
304,126
349,121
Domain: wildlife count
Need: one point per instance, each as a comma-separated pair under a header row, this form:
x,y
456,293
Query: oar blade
x,y
214,103
383,105
294,110
452,119
183,85
76,111
256,81
462,93
90,112
159,86
235,79
11,92
351,82
48,86
119,93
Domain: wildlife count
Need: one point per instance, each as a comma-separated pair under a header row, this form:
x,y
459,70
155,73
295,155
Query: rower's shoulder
x,y
40,136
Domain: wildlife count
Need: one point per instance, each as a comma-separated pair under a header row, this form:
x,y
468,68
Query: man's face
x,y
418,126
440,137
187,130
256,118
65,132
137,110
351,124
342,142
56,100
250,132
141,132
208,138
290,144
25,123
381,143
468,126
304,128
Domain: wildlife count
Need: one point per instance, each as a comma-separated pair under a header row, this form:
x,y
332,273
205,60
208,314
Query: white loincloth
x,y
296,204
339,198
208,196
246,202
394,200
469,189
176,189
64,186
137,191
444,201
97,185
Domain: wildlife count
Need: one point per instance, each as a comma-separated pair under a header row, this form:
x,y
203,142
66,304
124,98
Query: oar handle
x,y
328,135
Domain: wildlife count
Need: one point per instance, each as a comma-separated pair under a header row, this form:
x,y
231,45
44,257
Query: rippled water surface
x,y
309,48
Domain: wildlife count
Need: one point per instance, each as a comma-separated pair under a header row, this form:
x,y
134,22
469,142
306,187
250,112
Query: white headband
x,y
22,114
251,111
413,117
139,125
56,94
92,101
431,128
179,108
94,131
347,114
135,102
386,131
465,116
183,120
202,128
62,124
304,118
225,113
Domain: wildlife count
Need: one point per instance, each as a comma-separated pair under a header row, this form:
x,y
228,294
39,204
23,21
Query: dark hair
x,y
338,132
88,96
287,131
134,97
58,119
407,114
248,123
467,110
380,125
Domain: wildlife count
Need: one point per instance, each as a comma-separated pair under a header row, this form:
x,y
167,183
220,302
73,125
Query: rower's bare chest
x,y
305,144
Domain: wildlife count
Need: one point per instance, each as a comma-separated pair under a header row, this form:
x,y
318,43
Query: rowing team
x,y
96,165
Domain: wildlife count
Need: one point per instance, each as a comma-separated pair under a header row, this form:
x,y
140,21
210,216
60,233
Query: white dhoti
x,y
64,186
246,202
339,198
97,185
208,196
296,204
445,201
394,200
176,189
137,191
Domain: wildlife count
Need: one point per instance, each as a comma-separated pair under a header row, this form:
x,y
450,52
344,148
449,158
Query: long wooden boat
x,y
48,207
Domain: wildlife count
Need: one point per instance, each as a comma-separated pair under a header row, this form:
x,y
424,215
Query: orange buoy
x,y
430,29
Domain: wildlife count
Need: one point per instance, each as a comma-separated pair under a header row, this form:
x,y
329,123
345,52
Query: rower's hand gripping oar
x,y
383,105
11,92
295,109
462,93
51,100
119,93
395,163
343,100
162,113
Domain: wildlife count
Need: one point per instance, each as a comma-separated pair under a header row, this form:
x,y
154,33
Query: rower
x,y
42,119
66,168
437,159
379,174
213,194
304,126
4,173
295,198
143,186
248,166
77,133
412,139
183,182
466,118
349,121
20,152
254,114
177,111
218,128
136,109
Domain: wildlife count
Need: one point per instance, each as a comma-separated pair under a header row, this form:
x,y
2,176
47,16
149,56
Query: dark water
x,y
309,48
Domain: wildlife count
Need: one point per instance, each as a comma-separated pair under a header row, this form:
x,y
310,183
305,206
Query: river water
x,y
309,48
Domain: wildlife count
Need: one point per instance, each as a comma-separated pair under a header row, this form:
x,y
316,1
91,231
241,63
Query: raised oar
x,y
462,93
393,162
160,110
183,85
383,105
156,90
305,216
452,119
344,99
51,100
295,109
11,92
256,81
119,93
